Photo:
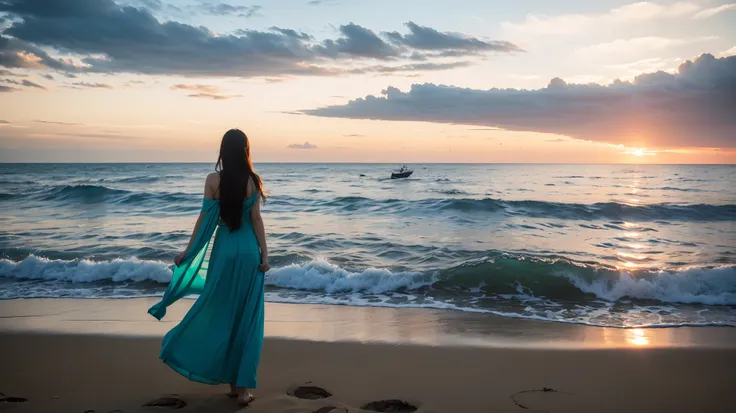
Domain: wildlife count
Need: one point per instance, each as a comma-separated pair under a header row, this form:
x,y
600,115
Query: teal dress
x,y
220,338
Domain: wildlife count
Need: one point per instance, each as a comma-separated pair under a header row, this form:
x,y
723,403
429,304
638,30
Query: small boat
x,y
402,172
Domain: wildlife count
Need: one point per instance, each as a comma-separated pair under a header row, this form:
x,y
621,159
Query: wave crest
x,y
85,271
554,279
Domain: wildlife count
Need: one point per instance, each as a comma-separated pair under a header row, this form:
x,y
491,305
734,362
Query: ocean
x,y
603,245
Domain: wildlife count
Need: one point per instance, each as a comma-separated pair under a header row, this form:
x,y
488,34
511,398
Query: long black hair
x,y
235,167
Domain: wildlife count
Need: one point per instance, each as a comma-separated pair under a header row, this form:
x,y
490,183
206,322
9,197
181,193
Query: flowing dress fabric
x,y
220,338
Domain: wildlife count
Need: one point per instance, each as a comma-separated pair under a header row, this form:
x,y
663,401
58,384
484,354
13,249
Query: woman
x,y
220,338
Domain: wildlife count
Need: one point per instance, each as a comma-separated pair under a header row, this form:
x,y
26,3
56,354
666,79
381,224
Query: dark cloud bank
x,y
131,39
695,107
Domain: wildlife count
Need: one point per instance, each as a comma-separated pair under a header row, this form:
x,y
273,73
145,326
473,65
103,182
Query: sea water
x,y
607,245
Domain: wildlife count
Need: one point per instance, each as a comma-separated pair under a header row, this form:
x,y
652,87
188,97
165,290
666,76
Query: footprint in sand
x,y
166,403
316,393
309,392
390,406
331,409
544,400
111,411
11,399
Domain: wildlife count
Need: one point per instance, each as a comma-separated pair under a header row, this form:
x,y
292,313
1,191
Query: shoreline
x,y
336,323
79,355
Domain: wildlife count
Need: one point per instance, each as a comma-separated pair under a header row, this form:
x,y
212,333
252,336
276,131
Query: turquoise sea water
x,y
613,245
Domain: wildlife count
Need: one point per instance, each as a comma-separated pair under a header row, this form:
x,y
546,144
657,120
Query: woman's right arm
x,y
260,230
209,194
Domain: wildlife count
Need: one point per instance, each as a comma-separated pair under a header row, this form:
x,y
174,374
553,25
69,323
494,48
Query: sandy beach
x,y
102,356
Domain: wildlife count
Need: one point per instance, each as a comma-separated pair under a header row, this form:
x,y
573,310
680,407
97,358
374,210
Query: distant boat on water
x,y
402,172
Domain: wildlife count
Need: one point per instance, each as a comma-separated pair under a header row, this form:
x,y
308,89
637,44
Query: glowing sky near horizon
x,y
78,84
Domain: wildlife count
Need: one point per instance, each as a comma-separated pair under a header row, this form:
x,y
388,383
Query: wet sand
x,y
102,355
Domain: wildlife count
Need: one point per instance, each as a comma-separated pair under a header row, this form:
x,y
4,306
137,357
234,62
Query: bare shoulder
x,y
211,185
213,180
250,187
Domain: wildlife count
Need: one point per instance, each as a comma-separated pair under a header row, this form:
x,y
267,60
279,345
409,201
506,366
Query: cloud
x,y
225,9
357,41
200,88
152,4
427,38
414,67
321,2
691,108
204,91
353,135
132,40
568,24
51,122
729,52
4,72
213,96
48,76
289,33
102,36
305,145
708,13
24,82
134,83
113,136
555,140
4,88
92,85
16,53
28,83
4,122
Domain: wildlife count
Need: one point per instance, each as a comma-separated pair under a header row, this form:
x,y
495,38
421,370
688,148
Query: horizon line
x,y
363,163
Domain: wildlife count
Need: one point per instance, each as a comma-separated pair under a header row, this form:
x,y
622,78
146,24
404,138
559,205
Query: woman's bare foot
x,y
245,399
233,391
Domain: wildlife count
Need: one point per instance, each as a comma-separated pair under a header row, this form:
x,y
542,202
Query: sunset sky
x,y
369,81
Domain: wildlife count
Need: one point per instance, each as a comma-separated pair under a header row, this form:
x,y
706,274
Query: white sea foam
x,y
712,286
320,275
84,271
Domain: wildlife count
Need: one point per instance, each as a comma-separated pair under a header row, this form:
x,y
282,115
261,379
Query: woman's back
x,y
212,191
212,187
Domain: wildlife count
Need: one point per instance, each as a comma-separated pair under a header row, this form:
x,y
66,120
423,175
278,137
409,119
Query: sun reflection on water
x,y
637,337
639,257
636,246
